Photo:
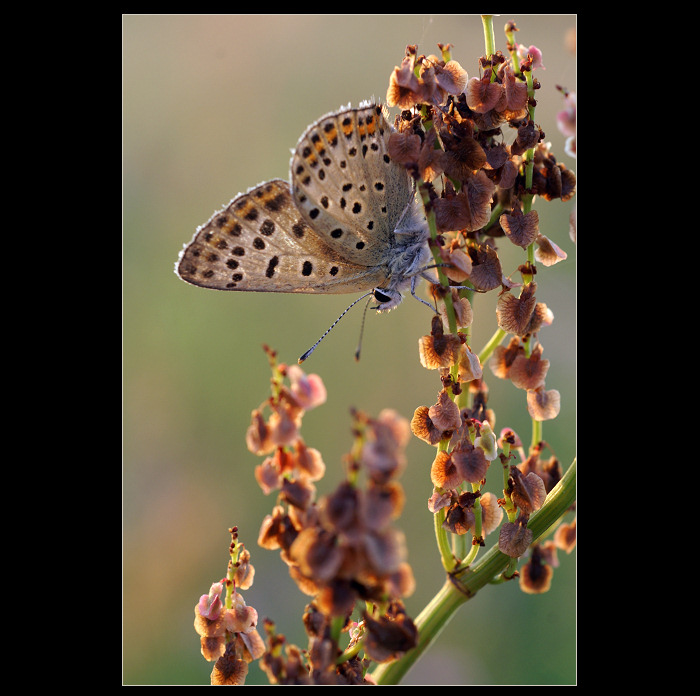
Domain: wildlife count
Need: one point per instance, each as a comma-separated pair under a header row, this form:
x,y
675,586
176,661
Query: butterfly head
x,y
387,299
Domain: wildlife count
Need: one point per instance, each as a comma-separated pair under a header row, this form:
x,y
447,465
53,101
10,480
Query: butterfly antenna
x,y
362,331
330,328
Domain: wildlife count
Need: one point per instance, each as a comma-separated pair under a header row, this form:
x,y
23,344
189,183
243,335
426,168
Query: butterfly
x,y
348,221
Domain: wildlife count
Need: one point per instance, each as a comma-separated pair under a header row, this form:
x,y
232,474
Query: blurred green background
x,y
212,105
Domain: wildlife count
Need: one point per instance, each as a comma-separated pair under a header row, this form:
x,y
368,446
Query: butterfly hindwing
x,y
260,242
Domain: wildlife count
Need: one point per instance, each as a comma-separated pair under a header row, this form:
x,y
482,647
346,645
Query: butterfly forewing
x,y
346,186
260,242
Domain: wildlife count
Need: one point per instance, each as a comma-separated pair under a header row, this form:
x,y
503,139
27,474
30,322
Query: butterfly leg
x,y
414,280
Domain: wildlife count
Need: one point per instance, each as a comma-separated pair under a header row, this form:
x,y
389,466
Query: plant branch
x,y
464,584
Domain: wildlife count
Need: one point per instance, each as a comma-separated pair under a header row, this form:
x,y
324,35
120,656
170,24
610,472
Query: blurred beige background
x,y
212,105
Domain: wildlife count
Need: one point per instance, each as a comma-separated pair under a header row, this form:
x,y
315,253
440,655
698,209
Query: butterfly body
x,y
348,222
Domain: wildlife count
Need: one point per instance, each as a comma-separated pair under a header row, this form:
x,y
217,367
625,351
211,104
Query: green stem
x,y
464,585
443,543
493,342
536,433
489,40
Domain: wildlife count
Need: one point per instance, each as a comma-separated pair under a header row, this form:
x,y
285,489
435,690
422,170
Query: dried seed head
x,y
459,519
240,618
438,349
444,473
284,428
268,476
486,268
528,491
504,356
445,414
212,648
469,365
470,208
317,554
258,435
565,536
423,428
209,628
431,160
340,511
389,636
299,492
405,89
308,390
404,148
514,313
229,670
491,513
547,252
451,76
470,461
245,571
529,373
402,582
514,538
459,264
383,503
535,575
516,94
482,94
309,462
528,137
521,229
543,405
383,452
385,551
253,645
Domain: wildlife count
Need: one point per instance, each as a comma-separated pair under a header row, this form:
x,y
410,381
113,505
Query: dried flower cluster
x,y
228,630
477,189
340,549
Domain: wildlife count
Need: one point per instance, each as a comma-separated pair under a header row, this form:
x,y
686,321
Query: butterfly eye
x,y
381,297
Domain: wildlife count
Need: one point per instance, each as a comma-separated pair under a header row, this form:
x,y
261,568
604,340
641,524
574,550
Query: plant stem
x,y
465,584
494,341
489,39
